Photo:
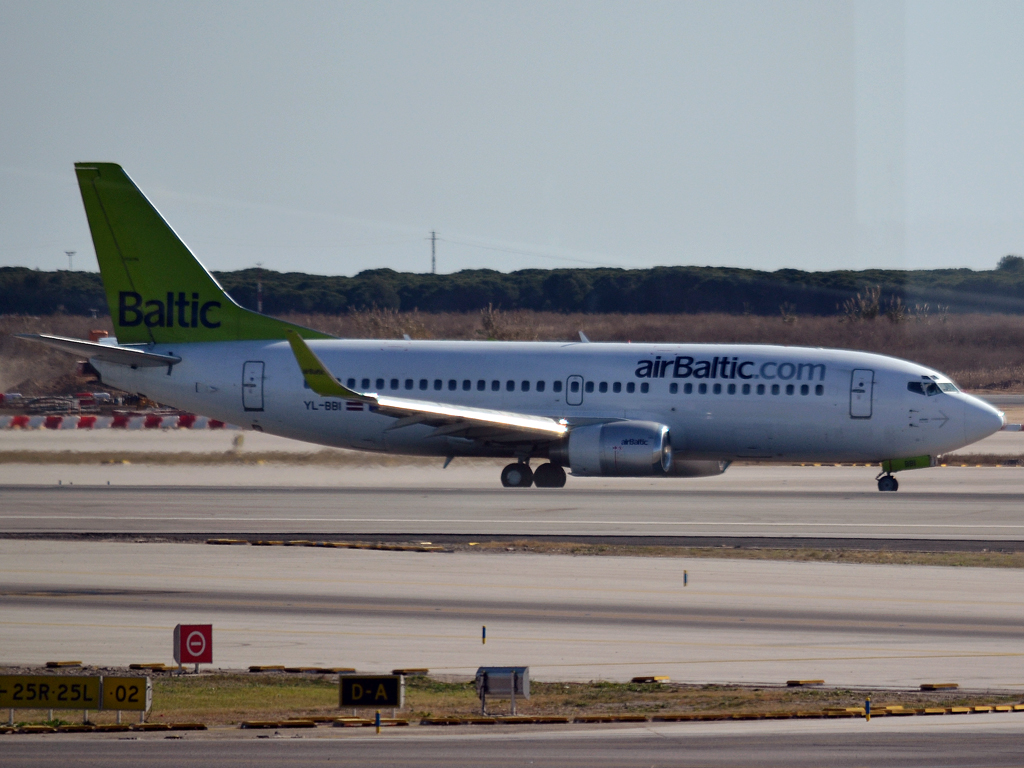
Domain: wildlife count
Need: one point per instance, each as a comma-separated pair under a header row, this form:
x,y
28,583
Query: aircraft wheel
x,y
549,476
517,476
888,483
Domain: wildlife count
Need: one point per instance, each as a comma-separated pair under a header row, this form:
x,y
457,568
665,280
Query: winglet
x,y
315,372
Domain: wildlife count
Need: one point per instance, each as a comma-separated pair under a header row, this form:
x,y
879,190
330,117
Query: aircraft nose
x,y
981,420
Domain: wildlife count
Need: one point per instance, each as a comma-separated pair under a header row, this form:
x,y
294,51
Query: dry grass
x,y
1008,559
225,698
979,351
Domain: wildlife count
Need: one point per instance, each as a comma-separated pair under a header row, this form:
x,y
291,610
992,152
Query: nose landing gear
x,y
887,483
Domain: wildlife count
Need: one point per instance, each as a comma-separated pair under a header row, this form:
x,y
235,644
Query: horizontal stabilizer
x,y
106,353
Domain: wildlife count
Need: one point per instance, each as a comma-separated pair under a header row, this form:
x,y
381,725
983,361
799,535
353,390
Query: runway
x,y
991,741
568,618
981,504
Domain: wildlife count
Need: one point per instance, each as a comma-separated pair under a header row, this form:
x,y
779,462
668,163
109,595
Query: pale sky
x,y
333,137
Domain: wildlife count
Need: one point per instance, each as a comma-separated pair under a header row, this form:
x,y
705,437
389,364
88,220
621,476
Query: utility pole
x,y
259,287
433,253
70,256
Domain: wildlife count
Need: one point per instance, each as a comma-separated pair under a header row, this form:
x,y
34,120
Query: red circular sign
x,y
196,643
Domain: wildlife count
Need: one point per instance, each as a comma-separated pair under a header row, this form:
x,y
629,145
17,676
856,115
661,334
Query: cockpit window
x,y
947,386
929,388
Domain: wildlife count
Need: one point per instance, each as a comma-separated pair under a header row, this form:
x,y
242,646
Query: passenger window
x,y
804,389
510,385
394,383
645,387
687,388
452,385
717,389
408,383
820,389
631,387
495,385
732,389
775,389
790,389
702,389
746,389
423,383
760,389
617,386
466,385
380,384
557,386
540,386
351,383
438,384
574,386
673,388
589,386
365,383
481,385
602,387
525,386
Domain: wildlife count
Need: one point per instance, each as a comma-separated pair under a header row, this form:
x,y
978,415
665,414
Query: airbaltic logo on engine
x,y
683,367
131,311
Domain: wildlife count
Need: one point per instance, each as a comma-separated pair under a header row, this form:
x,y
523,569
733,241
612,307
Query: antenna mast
x,y
433,253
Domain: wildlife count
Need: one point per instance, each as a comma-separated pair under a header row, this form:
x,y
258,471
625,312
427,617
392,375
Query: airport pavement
x,y
578,618
983,740
219,441
820,502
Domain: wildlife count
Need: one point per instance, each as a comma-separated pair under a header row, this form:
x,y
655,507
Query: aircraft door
x,y
862,384
574,390
252,385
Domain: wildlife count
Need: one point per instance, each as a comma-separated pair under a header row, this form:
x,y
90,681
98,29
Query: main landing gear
x,y
520,475
888,483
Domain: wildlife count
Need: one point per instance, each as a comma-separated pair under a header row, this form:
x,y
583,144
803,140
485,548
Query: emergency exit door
x,y
862,384
252,385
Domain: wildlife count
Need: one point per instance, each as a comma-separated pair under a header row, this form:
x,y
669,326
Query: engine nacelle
x,y
617,449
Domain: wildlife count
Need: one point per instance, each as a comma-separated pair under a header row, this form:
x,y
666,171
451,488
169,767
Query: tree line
x,y
600,290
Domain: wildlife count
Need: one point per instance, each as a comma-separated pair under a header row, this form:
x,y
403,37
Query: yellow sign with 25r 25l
x,y
49,692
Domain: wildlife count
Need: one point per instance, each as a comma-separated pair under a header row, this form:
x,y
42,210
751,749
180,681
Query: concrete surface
x,y
566,617
985,740
939,503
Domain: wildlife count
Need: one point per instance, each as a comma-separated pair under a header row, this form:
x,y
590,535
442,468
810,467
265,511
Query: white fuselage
x,y
720,401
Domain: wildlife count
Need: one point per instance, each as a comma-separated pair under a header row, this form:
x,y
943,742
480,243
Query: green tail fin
x,y
157,290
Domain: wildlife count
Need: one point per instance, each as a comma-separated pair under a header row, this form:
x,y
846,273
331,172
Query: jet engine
x,y
616,449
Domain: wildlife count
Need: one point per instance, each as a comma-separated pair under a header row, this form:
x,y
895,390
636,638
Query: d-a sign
x,y
376,691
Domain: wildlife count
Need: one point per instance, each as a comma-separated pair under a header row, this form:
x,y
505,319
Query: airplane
x,y
596,409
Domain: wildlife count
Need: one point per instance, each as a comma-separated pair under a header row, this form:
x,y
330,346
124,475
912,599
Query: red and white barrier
x,y
90,421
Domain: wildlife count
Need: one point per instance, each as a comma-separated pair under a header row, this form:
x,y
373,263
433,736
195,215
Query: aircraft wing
x,y
447,419
108,353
